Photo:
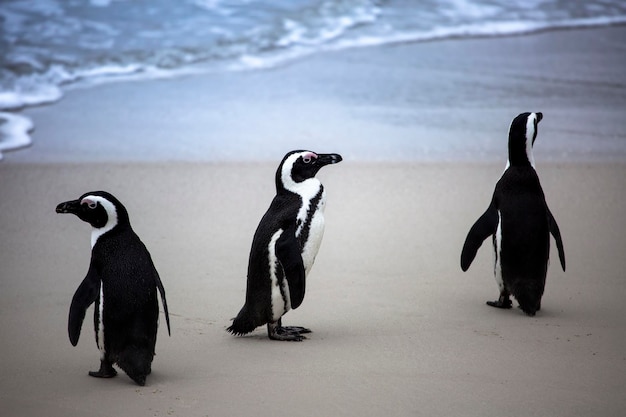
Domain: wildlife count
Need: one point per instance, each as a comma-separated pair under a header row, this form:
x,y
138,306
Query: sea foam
x,y
14,131
52,45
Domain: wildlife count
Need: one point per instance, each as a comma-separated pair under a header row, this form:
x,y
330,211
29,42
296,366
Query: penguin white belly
x,y
281,302
100,329
312,245
315,222
498,254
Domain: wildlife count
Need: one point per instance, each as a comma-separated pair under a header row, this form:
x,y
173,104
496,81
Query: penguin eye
x,y
308,157
90,203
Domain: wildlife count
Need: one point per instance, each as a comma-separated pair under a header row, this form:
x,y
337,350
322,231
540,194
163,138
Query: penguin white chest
x,y
309,232
280,299
315,233
310,222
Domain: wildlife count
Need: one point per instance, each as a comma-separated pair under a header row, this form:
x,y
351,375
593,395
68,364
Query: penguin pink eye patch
x,y
307,157
90,203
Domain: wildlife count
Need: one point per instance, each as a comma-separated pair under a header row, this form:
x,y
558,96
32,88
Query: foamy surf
x,y
52,45
14,131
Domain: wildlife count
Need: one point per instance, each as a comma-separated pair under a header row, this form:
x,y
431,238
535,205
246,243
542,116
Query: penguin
x,y
123,283
520,223
284,247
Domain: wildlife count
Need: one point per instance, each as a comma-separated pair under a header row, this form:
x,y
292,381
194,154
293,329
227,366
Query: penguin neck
x,y
97,232
307,189
520,155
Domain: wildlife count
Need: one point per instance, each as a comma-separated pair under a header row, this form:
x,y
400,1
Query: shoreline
x,y
22,126
450,100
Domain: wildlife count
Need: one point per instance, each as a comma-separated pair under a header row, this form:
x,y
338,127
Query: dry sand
x,y
398,329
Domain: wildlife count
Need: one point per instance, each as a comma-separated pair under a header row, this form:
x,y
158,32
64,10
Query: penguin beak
x,y
324,159
69,207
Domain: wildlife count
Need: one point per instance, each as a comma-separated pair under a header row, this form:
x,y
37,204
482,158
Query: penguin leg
x,y
106,370
503,302
276,331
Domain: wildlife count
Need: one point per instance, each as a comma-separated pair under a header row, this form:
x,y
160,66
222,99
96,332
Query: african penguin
x,y
123,282
520,223
284,247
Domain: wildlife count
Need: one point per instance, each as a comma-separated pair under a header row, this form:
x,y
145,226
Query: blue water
x,y
47,46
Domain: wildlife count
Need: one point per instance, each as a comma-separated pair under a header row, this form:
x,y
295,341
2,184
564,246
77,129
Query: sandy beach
x,y
398,329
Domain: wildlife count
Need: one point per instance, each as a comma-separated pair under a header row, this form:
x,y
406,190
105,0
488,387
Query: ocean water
x,y
49,46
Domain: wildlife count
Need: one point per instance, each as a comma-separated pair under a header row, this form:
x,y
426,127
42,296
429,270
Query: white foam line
x,y
469,31
14,131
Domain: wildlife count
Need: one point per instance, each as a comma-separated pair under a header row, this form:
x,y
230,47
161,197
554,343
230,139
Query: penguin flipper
x,y
290,257
85,295
554,229
159,285
484,227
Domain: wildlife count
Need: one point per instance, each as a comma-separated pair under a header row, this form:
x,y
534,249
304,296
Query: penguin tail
x,y
243,323
529,297
136,361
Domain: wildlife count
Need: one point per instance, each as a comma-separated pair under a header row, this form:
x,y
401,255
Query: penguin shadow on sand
x,y
123,283
520,223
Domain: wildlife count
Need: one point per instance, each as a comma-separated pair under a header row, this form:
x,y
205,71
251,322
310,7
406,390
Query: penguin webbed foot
x,y
282,334
296,329
503,302
287,333
106,371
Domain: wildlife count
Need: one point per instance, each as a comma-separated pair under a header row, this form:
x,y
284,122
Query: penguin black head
x,y
299,166
522,135
98,208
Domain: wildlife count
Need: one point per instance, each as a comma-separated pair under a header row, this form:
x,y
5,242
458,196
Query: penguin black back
x,y
123,282
520,222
